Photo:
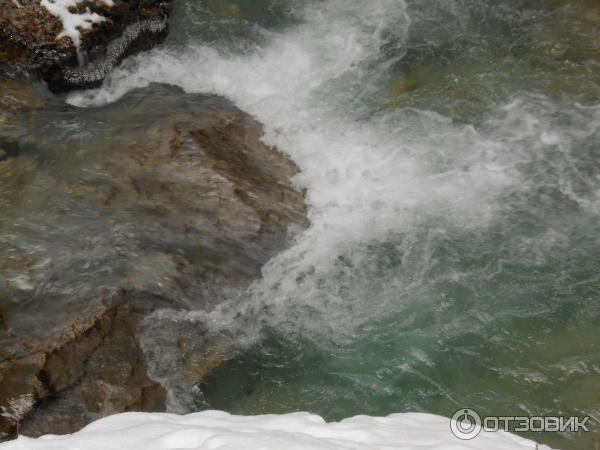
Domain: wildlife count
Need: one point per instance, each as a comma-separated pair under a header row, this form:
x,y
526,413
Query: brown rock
x,y
171,205
29,44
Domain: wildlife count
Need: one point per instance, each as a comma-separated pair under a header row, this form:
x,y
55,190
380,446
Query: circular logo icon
x,y
465,424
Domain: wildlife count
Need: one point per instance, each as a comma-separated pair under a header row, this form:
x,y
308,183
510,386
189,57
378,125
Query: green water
x,y
501,317
452,171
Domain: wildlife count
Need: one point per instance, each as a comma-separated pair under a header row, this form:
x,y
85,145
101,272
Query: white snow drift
x,y
73,22
300,431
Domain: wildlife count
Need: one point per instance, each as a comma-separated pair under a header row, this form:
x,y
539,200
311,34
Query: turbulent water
x,y
450,154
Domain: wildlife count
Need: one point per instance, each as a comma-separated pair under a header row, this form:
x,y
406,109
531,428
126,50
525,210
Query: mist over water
x,y
449,152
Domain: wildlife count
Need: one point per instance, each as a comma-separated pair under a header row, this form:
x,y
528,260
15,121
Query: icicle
x,y
82,57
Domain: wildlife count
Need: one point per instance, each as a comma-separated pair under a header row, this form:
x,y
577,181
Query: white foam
x,y
366,178
301,431
73,22
368,175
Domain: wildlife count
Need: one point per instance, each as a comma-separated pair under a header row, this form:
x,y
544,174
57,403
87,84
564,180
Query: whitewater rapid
x,y
400,198
366,174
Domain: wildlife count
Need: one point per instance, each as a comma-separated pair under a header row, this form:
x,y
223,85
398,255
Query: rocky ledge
x,y
31,41
162,201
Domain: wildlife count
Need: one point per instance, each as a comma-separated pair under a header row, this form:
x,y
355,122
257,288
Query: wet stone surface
x,y
162,200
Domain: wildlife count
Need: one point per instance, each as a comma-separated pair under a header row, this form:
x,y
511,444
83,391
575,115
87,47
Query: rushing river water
x,y
450,151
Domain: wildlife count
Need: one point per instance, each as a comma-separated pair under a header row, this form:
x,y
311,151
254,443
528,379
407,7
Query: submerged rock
x,y
172,204
31,40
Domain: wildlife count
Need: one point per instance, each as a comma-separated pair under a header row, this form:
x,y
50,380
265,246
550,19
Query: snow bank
x,y
300,431
73,22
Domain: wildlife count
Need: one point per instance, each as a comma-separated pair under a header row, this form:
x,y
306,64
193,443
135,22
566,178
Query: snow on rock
x,y
17,407
299,431
72,22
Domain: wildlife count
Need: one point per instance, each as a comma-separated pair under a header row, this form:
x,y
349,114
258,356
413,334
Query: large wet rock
x,y
29,43
161,201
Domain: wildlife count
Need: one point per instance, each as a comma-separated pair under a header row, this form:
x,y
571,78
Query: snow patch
x,y
73,22
17,407
300,431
